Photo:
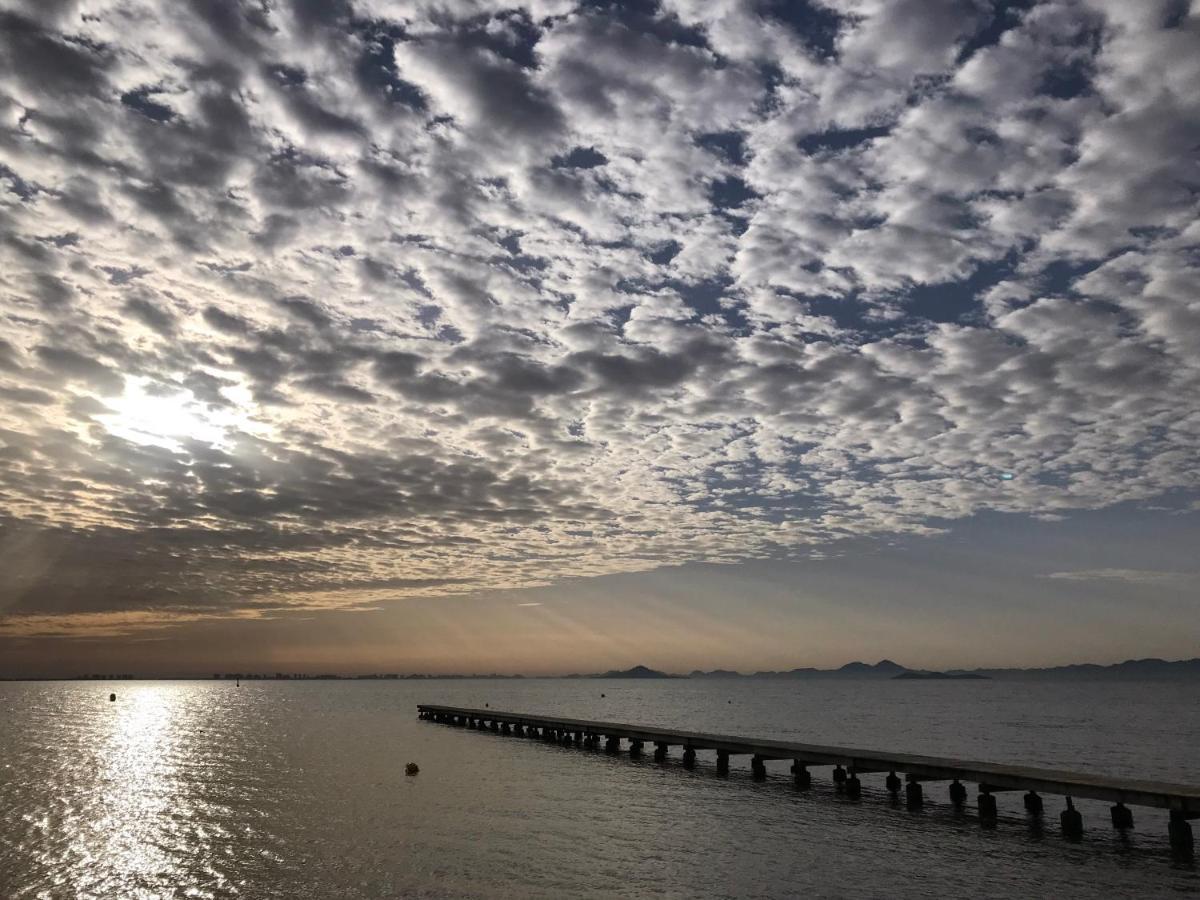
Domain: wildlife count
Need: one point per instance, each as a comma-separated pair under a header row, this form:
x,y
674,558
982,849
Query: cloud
x,y
1126,576
333,306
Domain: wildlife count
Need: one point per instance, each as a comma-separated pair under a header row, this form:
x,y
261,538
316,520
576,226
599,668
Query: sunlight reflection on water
x,y
140,793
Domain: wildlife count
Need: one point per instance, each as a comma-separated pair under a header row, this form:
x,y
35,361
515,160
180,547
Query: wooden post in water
x,y
914,797
1071,820
853,785
802,776
958,792
1180,832
722,762
987,803
1122,816
758,767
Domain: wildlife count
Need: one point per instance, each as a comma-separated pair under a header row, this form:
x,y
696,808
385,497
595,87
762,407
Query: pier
x,y
1182,802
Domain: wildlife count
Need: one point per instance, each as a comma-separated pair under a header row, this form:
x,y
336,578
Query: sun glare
x,y
167,419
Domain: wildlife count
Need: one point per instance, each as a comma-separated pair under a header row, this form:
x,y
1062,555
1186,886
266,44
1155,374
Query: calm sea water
x,y
296,790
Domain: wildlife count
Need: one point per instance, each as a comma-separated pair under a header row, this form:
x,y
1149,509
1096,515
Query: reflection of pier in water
x,y
1182,801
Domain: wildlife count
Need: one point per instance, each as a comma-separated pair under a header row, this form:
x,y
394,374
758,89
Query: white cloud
x,y
1127,576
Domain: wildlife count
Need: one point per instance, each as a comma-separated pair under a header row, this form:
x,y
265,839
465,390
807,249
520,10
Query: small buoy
x,y
412,769
485,706
112,698
604,695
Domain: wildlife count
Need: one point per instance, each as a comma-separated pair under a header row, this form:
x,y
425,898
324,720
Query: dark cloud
x,y
73,365
54,64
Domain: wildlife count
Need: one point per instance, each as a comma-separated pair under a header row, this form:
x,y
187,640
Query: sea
x,y
297,789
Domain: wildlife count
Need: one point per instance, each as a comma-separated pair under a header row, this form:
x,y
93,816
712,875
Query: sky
x,y
360,335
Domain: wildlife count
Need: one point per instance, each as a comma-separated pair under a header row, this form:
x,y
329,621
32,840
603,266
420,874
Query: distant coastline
x,y
1133,669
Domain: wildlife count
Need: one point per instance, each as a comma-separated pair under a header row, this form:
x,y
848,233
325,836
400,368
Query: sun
x,y
147,414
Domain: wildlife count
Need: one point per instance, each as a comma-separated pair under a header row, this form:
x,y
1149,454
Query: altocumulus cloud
x,y
312,305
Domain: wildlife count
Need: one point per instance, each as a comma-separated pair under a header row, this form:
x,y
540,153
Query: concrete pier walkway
x,y
1182,801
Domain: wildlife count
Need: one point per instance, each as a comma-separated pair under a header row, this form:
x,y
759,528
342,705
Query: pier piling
x,y
1122,816
801,775
853,785
1071,820
758,767
958,792
722,762
986,802
914,797
1179,830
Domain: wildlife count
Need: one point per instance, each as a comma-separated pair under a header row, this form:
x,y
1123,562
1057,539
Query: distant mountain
x,y
929,676
883,669
635,672
1131,669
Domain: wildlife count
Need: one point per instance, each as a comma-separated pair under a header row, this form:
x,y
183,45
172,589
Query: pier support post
x,y
495,725
892,782
566,739
758,767
1071,820
689,758
612,745
914,797
1180,832
635,748
839,777
519,730
801,774
504,728
987,804
660,752
1122,816
853,786
722,762
1033,803
958,792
